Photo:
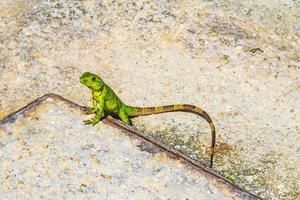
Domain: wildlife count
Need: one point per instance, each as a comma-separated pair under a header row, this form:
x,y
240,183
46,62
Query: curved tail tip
x,y
211,153
211,163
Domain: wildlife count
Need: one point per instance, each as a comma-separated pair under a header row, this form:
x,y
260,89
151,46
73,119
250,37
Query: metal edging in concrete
x,y
210,173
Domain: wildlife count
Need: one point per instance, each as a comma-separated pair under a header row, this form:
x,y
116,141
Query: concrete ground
x,y
239,61
47,152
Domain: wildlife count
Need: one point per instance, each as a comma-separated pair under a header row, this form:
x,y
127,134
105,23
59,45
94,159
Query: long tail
x,y
140,111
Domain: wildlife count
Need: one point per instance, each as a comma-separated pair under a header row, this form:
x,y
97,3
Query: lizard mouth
x,y
83,81
90,86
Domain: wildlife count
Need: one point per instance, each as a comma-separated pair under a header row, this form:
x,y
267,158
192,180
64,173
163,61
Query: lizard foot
x,y
92,121
129,123
91,111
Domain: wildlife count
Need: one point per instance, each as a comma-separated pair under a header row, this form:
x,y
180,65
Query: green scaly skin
x,y
105,101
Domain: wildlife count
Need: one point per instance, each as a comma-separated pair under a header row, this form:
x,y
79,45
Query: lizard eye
x,y
94,78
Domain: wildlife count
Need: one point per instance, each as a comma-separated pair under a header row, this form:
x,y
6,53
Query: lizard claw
x,y
90,111
86,122
92,121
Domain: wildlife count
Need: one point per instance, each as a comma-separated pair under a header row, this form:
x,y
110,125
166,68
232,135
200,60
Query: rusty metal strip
x,y
242,193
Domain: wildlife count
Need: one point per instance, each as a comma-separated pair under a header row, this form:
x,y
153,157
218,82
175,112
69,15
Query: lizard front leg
x,y
99,112
93,109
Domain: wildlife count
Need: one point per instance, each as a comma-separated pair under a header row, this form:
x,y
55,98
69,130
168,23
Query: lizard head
x,y
92,81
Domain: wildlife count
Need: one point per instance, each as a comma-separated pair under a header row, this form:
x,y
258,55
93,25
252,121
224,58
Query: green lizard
x,y
105,101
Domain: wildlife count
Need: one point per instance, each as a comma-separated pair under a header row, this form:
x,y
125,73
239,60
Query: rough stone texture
x,y
238,60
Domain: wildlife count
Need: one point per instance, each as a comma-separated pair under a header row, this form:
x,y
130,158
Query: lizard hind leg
x,y
124,117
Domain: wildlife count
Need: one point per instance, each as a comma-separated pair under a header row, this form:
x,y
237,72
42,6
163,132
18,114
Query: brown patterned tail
x,y
139,111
